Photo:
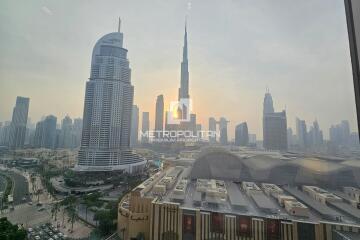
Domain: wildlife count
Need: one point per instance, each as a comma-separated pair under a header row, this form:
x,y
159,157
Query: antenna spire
x,y
119,24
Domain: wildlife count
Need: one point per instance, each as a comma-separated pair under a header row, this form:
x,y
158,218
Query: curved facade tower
x,y
108,104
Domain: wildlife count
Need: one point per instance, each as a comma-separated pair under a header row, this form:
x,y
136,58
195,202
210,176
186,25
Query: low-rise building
x,y
296,208
320,194
250,188
271,189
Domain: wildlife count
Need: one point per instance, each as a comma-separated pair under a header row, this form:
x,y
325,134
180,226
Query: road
x,y
20,185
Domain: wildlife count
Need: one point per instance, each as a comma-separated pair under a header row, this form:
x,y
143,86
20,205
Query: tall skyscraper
x,y
274,126
315,136
18,122
301,133
212,128
134,136
107,110
5,133
145,126
184,78
290,137
241,134
48,140
159,114
268,103
340,133
77,128
65,140
45,133
223,131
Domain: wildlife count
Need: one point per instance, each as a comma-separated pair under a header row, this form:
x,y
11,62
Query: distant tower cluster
x,y
222,125
274,126
105,144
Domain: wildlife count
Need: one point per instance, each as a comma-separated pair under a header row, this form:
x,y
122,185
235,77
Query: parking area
x,y
45,232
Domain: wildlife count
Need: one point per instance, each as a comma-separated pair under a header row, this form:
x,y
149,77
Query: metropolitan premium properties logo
x,y
179,111
178,126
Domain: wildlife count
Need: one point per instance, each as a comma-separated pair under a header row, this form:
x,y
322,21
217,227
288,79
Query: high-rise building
x,y
134,135
66,133
212,128
315,136
159,114
192,126
105,143
184,81
340,133
18,122
241,134
145,127
274,126
301,133
290,137
268,103
48,140
223,131
5,133
77,129
252,139
45,133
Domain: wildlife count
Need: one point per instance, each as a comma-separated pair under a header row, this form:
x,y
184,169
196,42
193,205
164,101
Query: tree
x,y
106,222
91,200
9,231
55,209
69,204
72,216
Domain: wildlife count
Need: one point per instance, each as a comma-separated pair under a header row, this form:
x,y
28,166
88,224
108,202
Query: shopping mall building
x,y
195,203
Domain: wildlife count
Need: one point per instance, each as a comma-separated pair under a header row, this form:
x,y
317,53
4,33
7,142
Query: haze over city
x,y
236,50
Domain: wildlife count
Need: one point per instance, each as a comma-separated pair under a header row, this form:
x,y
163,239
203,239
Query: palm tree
x,y
55,209
91,200
63,215
69,204
72,216
33,186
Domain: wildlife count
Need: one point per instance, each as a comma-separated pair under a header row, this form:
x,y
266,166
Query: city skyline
x,y
206,65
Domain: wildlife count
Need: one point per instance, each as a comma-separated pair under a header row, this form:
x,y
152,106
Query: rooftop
x,y
231,197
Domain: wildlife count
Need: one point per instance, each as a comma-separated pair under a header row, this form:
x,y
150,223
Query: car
x,y
41,209
39,204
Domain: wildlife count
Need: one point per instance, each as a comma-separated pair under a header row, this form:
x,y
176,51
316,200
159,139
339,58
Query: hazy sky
x,y
299,49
